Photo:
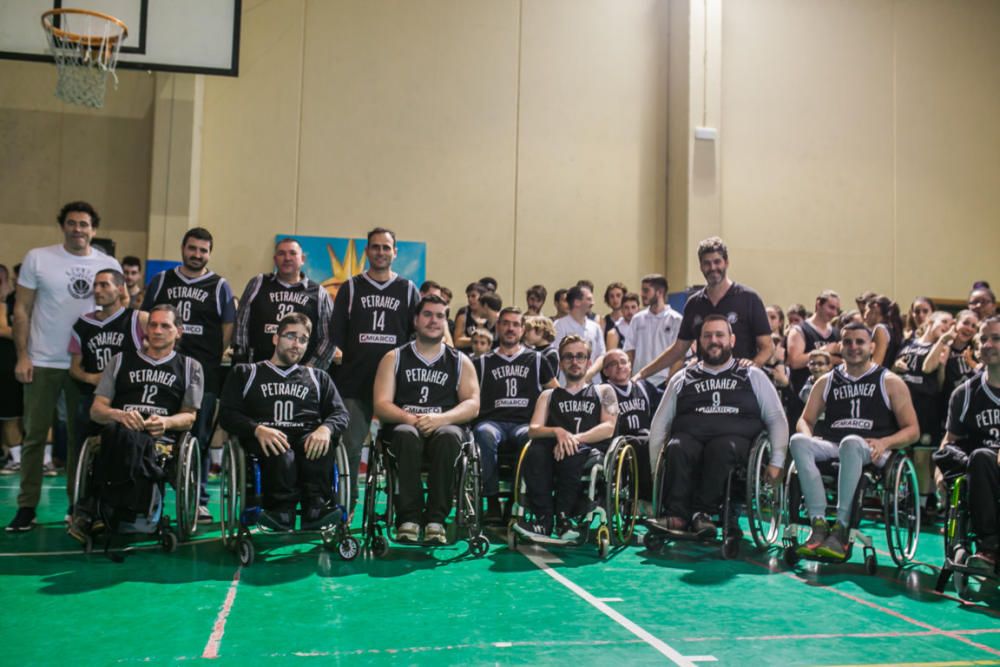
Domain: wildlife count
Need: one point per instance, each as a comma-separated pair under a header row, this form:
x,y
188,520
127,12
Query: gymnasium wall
x,y
522,140
860,146
51,153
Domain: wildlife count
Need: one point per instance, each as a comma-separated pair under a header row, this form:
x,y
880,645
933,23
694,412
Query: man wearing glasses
x,y
567,424
289,416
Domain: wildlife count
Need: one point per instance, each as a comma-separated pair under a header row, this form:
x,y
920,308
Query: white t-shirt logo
x,y
80,283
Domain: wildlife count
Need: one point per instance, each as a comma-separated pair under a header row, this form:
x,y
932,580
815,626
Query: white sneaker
x,y
434,532
12,468
408,532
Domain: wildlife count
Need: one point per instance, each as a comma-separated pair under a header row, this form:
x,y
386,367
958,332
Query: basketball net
x,y
85,48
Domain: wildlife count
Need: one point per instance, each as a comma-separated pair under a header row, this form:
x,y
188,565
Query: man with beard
x,y
424,392
266,300
204,301
568,423
739,304
290,417
711,412
867,414
653,329
136,290
510,380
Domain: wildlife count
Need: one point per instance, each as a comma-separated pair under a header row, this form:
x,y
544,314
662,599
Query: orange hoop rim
x,y
90,41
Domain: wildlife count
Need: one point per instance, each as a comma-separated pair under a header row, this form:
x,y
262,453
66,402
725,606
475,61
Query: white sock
x,y
15,453
216,454
48,455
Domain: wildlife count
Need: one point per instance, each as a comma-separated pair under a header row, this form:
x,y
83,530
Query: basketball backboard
x,y
193,36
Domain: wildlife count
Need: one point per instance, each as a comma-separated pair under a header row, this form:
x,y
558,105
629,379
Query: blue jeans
x,y
489,435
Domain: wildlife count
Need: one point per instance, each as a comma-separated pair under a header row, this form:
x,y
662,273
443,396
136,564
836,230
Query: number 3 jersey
x,y
295,400
137,382
427,386
856,405
97,341
974,413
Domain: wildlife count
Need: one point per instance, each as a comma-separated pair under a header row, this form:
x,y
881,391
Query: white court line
x,y
541,559
219,629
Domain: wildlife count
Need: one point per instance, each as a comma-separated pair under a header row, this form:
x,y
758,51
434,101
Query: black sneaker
x,y
703,527
204,515
23,521
319,517
279,522
566,529
541,526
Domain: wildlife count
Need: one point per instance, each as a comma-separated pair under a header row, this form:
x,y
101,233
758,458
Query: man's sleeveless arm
x,y
332,409
241,329
958,404
772,414
231,414
659,428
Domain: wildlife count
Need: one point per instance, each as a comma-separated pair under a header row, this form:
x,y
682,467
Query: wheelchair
x,y
960,544
240,496
893,488
611,485
180,456
763,502
381,489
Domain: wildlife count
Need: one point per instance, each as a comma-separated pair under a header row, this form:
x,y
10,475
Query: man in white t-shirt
x,y
580,300
54,288
654,328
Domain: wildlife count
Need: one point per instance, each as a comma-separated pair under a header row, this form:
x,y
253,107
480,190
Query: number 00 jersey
x,y
97,341
974,413
136,382
509,386
295,400
425,386
856,406
370,319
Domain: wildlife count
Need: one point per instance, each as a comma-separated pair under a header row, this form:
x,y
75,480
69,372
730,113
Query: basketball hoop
x,y
85,47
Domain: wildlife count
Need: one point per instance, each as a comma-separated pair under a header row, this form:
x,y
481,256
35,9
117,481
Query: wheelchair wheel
x,y
511,536
730,548
379,546
187,485
232,481
468,502
168,541
603,541
959,578
517,508
653,542
793,516
342,478
901,509
764,499
479,546
349,548
378,485
246,551
84,468
622,491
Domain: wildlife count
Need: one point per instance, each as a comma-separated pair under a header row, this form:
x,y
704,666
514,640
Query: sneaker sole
x,y
20,529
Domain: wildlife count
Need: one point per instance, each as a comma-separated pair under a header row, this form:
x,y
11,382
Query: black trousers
x,y
641,446
290,478
984,492
441,451
696,472
542,473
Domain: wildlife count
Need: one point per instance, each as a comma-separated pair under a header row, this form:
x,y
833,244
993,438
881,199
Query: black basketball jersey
x,y
100,340
856,406
550,353
813,339
425,386
637,401
370,319
509,386
577,412
974,413
272,300
200,302
914,353
957,370
287,399
726,396
152,386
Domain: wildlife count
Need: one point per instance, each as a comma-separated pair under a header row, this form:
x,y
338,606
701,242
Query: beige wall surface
x,y
525,140
860,147
52,153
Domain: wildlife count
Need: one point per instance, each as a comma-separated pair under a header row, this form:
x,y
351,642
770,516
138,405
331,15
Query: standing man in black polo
x,y
204,301
372,314
739,304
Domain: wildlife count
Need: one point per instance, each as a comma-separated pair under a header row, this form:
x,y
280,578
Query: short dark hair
x,y
574,294
428,285
287,239
166,307
797,309
430,298
855,326
537,291
656,281
382,230
614,285
489,282
826,295
512,310
478,288
116,276
583,282
633,297
713,244
199,233
716,317
446,293
132,260
559,294
79,207
983,286
491,300
294,318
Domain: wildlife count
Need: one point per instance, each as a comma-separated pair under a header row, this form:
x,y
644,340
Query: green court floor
x,y
299,603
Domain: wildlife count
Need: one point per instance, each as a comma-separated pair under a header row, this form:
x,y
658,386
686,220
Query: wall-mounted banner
x,y
331,260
